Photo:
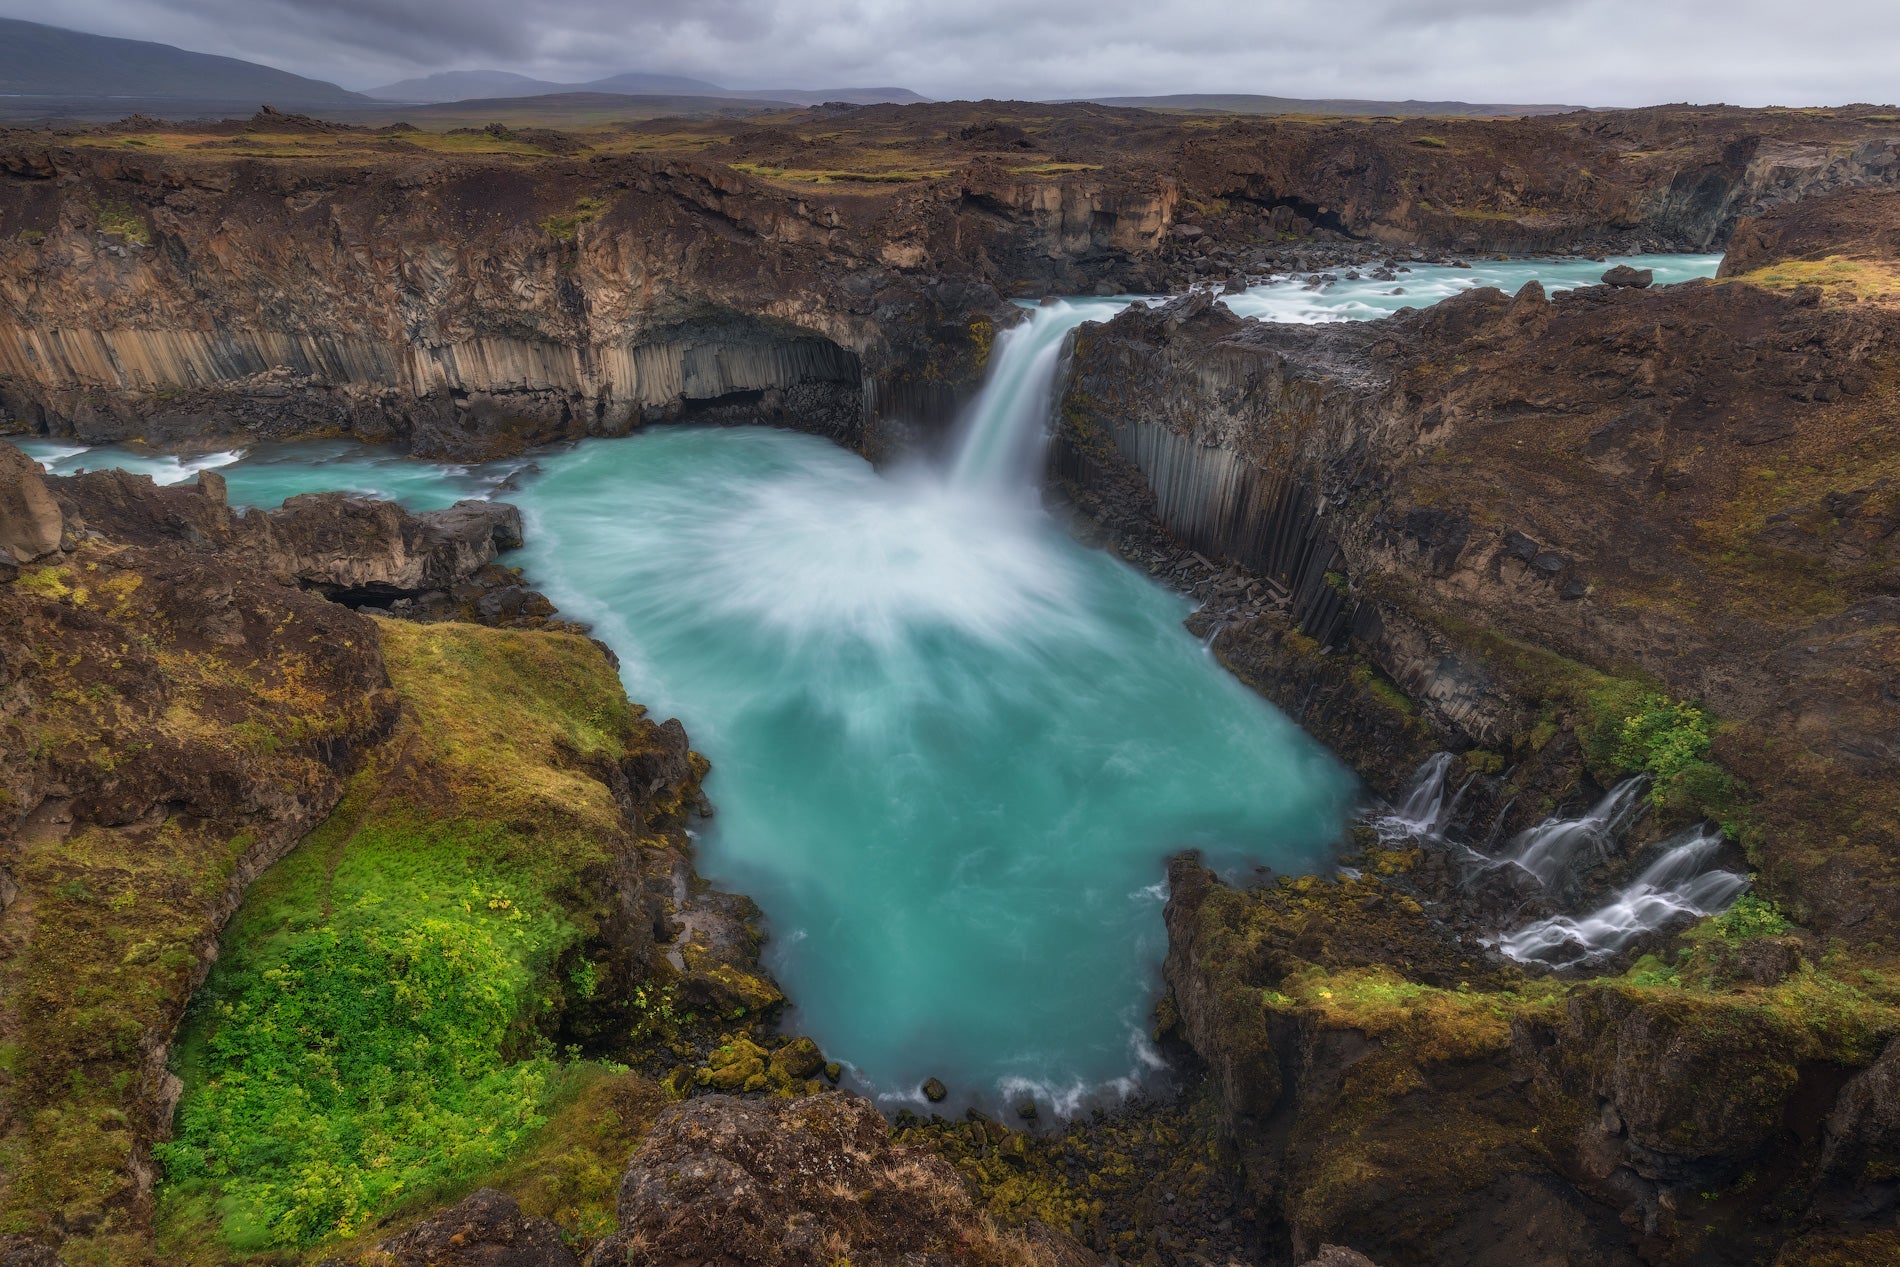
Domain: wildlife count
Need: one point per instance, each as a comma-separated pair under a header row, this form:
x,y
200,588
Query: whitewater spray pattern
x,y
951,748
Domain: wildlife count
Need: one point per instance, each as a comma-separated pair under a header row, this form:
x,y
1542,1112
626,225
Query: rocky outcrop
x,y
1388,1087
180,706
172,721
30,523
487,1229
1488,512
805,1181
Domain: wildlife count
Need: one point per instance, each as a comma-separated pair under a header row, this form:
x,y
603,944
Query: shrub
x,y
1664,739
1749,918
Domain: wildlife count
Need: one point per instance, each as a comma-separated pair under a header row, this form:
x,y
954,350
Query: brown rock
x,y
1338,1256
30,520
809,1181
487,1229
1625,277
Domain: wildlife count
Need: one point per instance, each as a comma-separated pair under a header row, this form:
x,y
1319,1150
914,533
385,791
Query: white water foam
x,y
1679,883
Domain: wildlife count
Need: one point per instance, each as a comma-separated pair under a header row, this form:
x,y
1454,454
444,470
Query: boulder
x,y
810,1181
30,520
487,1229
1624,277
1338,1256
934,1090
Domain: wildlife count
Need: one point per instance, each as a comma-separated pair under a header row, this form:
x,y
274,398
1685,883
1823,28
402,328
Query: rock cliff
x,y
469,305
1505,526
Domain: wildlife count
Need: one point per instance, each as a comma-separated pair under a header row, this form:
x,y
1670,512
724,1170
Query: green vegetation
x,y
1431,142
122,220
564,228
370,1035
1664,739
1750,917
377,1032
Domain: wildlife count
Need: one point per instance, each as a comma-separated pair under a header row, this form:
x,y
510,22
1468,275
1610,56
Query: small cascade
x,y
1549,858
1680,882
1557,847
1423,812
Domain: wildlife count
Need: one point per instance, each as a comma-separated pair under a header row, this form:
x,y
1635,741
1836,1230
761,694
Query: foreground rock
x,y
812,1181
487,1229
180,706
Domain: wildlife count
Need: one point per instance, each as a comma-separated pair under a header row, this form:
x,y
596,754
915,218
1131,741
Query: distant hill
x,y
470,85
52,62
1248,103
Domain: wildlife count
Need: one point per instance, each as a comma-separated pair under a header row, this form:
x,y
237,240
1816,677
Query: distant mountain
x,y
461,85
50,61
1249,103
470,85
819,96
636,83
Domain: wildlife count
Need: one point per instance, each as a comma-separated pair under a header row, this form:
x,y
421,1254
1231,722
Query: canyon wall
x,y
472,305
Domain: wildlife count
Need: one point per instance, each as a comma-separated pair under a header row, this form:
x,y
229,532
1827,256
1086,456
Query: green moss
x,y
30,237
1430,142
122,220
375,1032
566,226
369,1031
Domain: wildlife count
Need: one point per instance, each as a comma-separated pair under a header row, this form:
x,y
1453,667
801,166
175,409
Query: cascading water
x,y
951,747
1682,881
1679,883
1551,850
1000,443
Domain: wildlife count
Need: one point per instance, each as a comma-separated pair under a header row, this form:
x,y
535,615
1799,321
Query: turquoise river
x,y
952,748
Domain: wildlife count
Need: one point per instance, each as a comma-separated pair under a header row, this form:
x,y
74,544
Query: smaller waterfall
x,y
1679,883
1423,812
1552,849
1682,881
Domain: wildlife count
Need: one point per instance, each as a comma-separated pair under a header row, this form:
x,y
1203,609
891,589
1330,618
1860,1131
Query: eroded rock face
x,y
1566,474
806,1181
487,1229
30,522
1384,1084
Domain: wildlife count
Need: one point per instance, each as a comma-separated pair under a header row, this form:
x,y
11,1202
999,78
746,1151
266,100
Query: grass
x,y
1837,275
376,1035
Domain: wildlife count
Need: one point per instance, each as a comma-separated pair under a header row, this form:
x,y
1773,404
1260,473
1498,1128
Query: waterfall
x,y
1678,883
1681,881
1551,849
1422,812
1001,438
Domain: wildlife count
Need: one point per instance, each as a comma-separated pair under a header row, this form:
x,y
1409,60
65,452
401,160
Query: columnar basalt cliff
x,y
467,305
1507,526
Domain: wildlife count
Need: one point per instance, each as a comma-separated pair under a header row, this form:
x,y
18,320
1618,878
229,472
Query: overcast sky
x,y
1583,52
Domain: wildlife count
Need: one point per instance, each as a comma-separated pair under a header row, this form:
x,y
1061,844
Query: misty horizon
x,y
1574,52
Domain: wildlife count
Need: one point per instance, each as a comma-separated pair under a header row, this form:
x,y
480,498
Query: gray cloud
x,y
1594,52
